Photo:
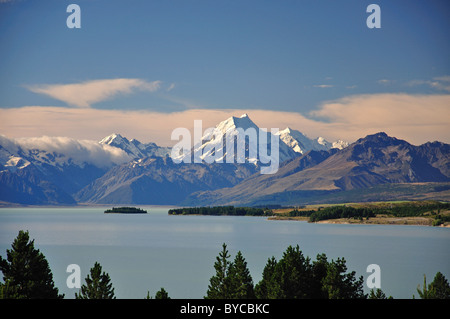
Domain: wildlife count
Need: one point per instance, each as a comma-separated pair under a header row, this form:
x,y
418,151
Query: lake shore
x,y
416,221
379,219
425,218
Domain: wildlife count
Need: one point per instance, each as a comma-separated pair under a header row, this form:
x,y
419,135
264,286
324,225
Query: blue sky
x,y
283,56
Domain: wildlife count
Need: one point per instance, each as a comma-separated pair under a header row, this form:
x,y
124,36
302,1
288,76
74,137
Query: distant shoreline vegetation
x,y
437,212
222,211
125,210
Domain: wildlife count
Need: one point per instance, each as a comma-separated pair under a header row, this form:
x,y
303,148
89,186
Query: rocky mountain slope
x,y
370,161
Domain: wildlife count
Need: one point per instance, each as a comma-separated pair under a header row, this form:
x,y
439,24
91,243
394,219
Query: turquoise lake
x,y
148,251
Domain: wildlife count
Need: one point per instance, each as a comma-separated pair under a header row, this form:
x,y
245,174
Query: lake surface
x,y
146,252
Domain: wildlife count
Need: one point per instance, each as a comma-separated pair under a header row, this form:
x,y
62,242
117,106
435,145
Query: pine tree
x,y
219,284
268,287
294,273
378,294
338,284
440,288
241,282
424,293
162,294
26,272
319,272
98,286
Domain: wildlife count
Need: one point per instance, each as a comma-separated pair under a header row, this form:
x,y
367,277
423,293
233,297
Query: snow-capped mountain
x,y
364,165
245,136
58,152
9,157
47,170
300,143
57,170
134,148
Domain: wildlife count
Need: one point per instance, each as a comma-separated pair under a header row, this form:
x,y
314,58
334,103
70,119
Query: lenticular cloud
x,y
86,93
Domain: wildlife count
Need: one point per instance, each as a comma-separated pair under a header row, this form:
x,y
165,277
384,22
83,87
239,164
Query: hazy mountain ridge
x,y
160,181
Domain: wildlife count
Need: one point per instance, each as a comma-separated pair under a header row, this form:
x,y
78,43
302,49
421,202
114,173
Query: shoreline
x,y
396,221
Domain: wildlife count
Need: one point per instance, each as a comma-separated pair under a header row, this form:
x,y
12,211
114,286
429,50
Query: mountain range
x,y
369,162
118,170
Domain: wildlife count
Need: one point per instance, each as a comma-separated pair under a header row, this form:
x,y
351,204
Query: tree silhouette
x,y
26,272
98,286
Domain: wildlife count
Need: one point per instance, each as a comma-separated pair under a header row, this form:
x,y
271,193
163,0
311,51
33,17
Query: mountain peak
x,y
234,122
379,138
133,147
114,137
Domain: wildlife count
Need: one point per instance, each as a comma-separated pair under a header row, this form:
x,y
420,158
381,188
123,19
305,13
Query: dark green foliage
x,y
409,209
296,277
125,210
222,210
219,284
378,294
232,279
26,272
299,213
338,284
340,212
319,271
413,208
293,273
438,289
268,287
440,219
424,293
162,294
98,285
241,282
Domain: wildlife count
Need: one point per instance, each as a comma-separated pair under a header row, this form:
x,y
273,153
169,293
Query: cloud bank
x,y
415,118
79,151
86,93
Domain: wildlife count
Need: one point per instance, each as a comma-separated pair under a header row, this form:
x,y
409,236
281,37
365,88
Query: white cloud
x,y
80,151
384,81
323,86
171,87
86,93
415,118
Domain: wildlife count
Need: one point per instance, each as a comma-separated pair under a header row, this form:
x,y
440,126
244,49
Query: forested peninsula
x,y
426,213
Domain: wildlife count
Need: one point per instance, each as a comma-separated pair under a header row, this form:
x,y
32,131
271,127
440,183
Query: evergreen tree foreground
x,y
98,285
294,276
27,275
26,272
